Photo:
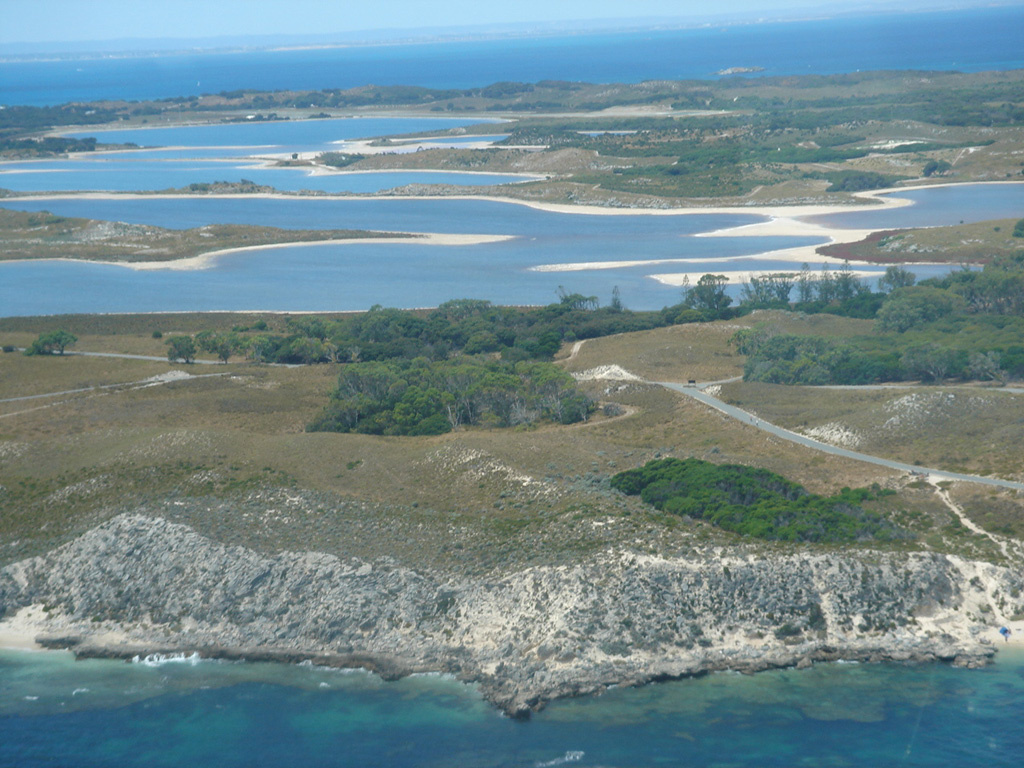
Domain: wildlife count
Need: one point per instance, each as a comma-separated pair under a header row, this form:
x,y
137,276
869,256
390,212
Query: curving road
x,y
697,393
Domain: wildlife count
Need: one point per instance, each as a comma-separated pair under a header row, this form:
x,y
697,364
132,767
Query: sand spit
x,y
207,260
779,221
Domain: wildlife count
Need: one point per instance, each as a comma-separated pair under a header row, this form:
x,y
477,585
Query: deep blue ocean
x,y
975,40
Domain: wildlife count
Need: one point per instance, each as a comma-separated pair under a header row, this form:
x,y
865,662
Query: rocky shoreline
x,y
140,585
525,701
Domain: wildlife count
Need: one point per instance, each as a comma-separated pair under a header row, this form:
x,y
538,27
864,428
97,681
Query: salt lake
x,y
352,276
594,253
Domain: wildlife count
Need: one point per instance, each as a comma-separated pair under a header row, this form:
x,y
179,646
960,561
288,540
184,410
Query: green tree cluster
x,y
907,308
838,292
775,358
966,325
460,326
998,289
896,277
769,290
222,345
52,341
755,502
858,181
708,295
936,168
181,348
422,397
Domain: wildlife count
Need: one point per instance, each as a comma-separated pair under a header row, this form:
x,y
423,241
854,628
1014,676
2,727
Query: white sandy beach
x,y
207,260
786,215
781,221
20,630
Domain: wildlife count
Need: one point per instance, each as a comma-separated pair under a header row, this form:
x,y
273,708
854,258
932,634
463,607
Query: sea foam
x,y
159,659
572,756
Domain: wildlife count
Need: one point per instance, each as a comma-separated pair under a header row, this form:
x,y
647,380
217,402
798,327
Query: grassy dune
x,y
225,450
45,236
962,244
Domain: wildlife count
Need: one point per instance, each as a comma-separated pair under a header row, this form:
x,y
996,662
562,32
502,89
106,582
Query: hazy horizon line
x,y
135,46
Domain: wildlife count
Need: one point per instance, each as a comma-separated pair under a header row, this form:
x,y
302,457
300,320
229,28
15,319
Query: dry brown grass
x,y
832,326
676,353
998,511
43,236
226,451
958,429
977,243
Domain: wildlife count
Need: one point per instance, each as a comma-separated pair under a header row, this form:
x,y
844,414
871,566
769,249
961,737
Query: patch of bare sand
x,y
207,260
20,630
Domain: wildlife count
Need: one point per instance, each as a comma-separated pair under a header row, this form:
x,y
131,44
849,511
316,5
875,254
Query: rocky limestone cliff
x,y
139,584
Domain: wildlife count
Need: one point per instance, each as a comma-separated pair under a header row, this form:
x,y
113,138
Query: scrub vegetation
x,y
744,137
42,235
754,502
225,447
968,325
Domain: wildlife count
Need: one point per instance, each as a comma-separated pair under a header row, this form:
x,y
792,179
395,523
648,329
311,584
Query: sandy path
x,y
1002,543
108,389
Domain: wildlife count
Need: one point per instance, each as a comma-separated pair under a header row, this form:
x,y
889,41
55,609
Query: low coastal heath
x,y
138,585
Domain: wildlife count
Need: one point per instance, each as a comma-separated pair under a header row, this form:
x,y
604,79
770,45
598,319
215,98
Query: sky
x,y
31,21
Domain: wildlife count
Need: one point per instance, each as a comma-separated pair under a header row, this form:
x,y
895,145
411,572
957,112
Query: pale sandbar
x,y
207,260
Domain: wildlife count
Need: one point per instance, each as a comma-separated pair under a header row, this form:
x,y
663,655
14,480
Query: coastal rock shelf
x,y
138,584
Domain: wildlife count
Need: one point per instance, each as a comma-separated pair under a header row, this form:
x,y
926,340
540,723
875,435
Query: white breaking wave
x,y
159,659
572,756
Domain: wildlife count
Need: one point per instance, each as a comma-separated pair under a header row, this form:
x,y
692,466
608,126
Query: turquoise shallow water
x,y
357,276
278,136
55,711
156,175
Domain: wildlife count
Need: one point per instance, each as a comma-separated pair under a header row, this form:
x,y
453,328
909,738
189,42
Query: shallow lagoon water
x,y
280,135
117,175
938,206
333,277
54,711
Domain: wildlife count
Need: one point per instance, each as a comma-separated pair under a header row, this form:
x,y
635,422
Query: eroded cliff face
x,y
139,584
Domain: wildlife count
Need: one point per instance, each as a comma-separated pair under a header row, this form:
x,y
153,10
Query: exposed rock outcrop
x,y
526,636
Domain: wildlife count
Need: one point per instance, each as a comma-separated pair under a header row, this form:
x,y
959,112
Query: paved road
x,y
748,418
